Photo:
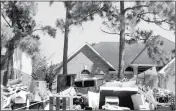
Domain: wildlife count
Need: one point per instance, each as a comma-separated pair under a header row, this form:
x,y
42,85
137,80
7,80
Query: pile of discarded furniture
x,y
114,95
17,96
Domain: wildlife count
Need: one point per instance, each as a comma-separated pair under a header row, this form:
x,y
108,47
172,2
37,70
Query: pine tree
x,y
76,13
158,13
19,17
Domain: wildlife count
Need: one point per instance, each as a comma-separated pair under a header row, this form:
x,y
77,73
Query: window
x,y
85,71
129,69
89,83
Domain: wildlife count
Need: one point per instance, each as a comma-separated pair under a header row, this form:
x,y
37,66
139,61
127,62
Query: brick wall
x,y
88,58
85,57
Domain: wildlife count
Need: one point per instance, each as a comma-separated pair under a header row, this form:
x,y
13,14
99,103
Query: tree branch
x,y
143,13
84,17
6,20
127,34
163,28
165,21
100,9
136,7
109,32
36,30
152,21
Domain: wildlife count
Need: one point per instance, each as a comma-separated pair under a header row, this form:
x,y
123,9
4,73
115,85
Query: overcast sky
x,y
90,32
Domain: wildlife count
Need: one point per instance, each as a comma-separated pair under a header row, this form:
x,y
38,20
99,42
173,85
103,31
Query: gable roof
x,y
77,51
167,46
169,68
110,51
134,53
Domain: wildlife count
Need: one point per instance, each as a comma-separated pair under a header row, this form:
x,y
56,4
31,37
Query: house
x,y
101,59
22,65
167,76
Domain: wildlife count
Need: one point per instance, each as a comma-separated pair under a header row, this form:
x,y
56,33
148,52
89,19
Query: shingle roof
x,y
167,46
110,51
76,52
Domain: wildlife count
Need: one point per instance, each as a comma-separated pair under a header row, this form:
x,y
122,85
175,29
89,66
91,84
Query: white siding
x,y
22,62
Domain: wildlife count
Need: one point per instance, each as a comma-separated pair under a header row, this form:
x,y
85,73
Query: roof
x,y
76,52
134,53
110,51
167,46
169,68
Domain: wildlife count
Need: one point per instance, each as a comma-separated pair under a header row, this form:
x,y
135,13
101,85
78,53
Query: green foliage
x,y
165,13
39,66
41,70
76,14
60,24
19,16
140,36
170,70
156,52
159,13
29,45
6,34
50,31
80,12
50,75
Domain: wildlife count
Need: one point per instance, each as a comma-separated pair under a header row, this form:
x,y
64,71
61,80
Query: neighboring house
x,y
2,63
101,59
167,76
22,64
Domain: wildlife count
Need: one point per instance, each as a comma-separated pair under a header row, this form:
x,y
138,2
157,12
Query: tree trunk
x,y
122,41
9,68
10,49
65,50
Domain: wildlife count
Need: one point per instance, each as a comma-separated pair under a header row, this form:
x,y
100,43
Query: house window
x,y
85,71
129,69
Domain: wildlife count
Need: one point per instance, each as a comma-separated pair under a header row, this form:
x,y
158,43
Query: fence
x,y
27,105
61,102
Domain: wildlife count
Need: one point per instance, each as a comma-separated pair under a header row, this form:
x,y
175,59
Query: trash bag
x,y
114,107
93,99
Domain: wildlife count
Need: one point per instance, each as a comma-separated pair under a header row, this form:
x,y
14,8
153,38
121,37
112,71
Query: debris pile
x,y
114,95
13,94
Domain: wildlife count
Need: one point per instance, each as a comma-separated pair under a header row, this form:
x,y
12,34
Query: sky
x,y
90,32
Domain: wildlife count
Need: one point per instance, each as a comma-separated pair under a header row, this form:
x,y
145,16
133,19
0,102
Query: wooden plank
x,y
57,103
27,102
51,103
71,103
135,69
144,65
64,103
66,96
